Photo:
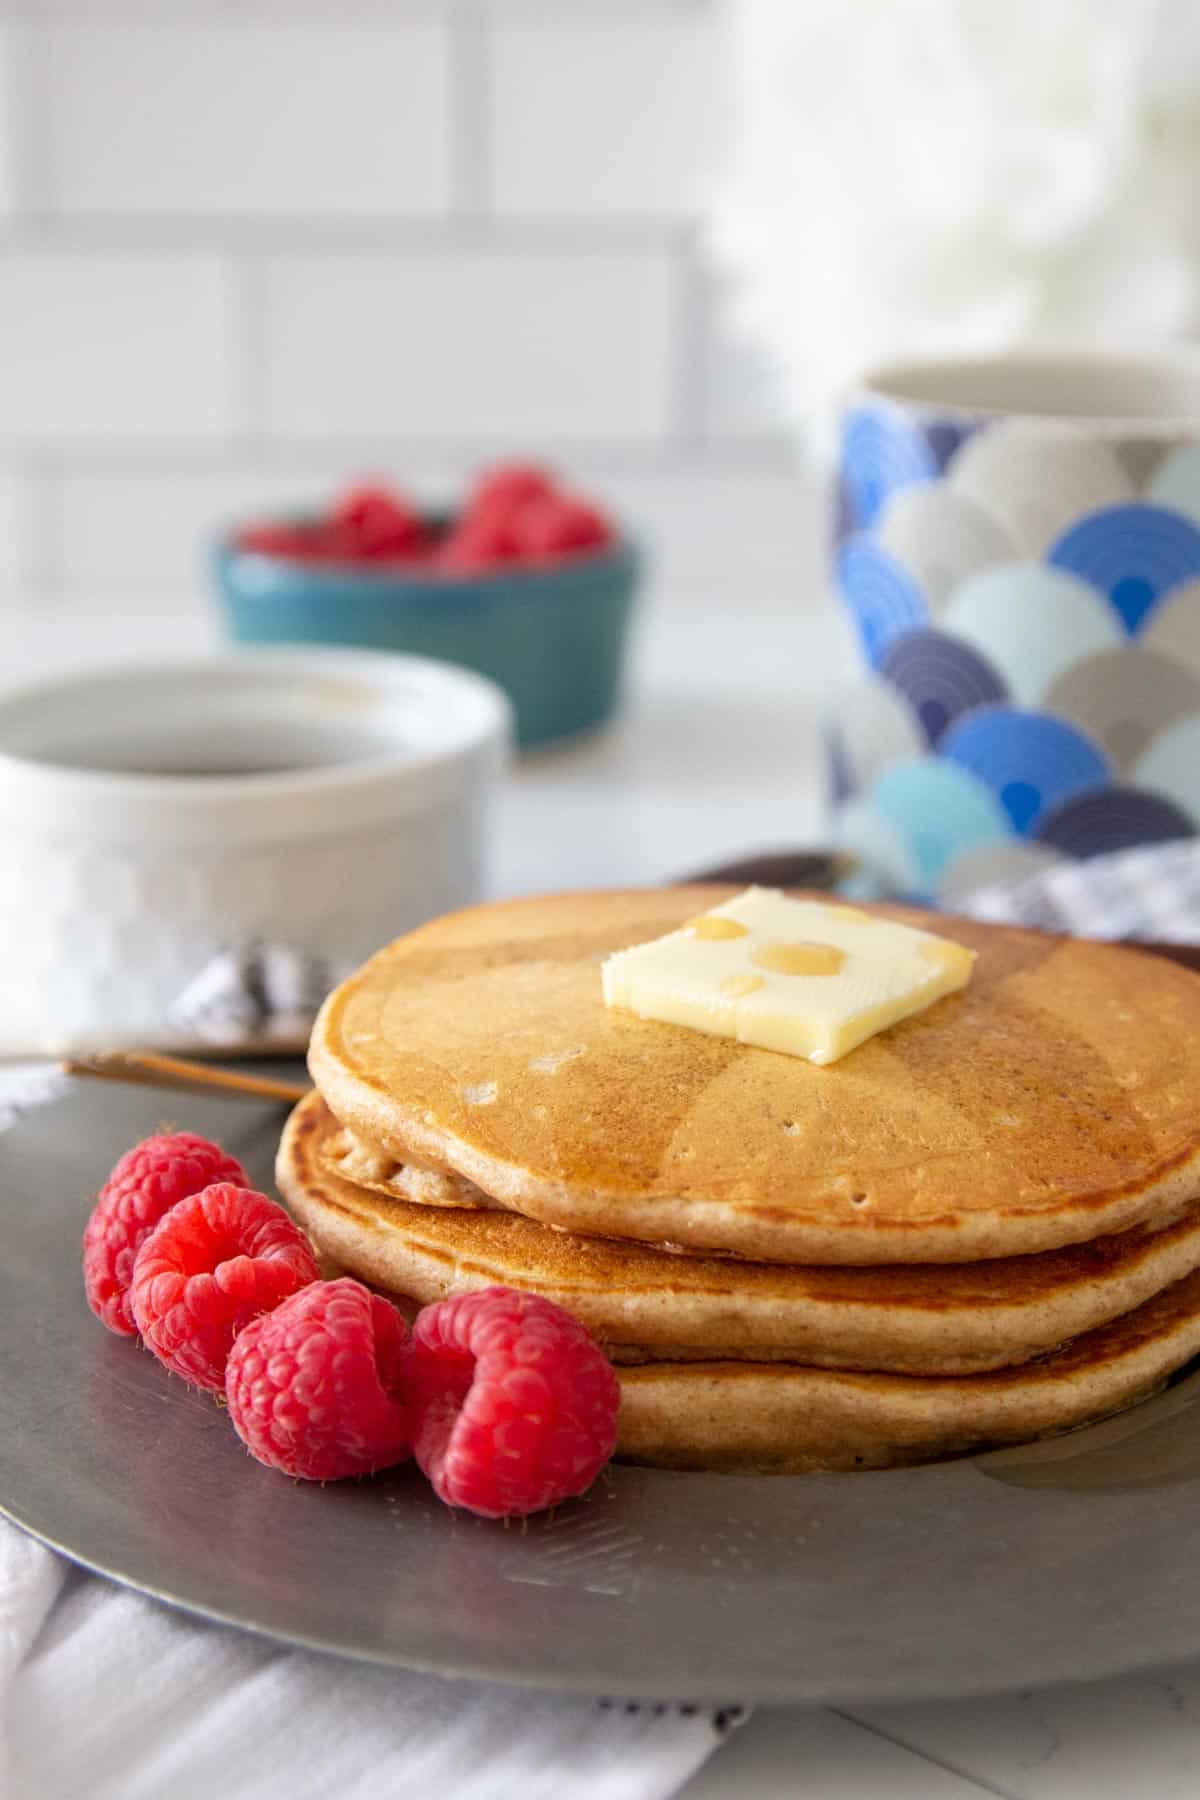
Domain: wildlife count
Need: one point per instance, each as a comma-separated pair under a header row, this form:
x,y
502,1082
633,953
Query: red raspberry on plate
x,y
147,1182
513,1407
214,1263
315,1387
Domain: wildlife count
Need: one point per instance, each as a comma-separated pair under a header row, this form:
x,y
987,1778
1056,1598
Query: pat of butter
x,y
793,975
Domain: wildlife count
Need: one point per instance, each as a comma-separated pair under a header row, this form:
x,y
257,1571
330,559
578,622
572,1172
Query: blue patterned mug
x,y
1018,547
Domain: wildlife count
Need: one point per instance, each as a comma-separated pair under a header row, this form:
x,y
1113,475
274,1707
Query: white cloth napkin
x,y
255,990
105,1695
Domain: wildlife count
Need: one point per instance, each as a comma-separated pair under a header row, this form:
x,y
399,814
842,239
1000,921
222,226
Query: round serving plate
x,y
1074,1558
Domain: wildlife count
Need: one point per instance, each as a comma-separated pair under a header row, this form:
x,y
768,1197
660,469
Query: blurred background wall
x,y
253,246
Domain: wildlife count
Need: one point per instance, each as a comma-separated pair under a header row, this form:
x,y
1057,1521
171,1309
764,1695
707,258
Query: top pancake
x,y
1054,1100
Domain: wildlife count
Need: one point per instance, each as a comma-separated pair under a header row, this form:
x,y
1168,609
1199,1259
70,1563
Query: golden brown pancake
x,y
648,1305
1052,1101
349,1157
779,1419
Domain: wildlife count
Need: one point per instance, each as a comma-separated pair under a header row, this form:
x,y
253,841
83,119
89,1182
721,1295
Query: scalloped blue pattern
x,y
1113,818
1134,554
884,598
939,811
1030,760
941,678
881,452
946,438
971,664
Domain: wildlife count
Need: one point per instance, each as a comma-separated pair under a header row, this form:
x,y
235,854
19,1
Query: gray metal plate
x,y
1076,1558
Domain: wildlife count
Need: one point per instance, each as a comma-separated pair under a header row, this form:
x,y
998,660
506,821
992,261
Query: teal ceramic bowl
x,y
554,638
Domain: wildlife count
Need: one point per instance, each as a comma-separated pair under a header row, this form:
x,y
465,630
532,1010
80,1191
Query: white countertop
x,y
715,757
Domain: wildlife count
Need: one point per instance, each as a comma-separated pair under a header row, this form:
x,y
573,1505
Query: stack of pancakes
x,y
980,1227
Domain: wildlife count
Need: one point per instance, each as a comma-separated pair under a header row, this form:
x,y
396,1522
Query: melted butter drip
x,y
736,987
708,925
799,958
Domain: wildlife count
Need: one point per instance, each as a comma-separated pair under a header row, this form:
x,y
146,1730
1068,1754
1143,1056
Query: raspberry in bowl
x,y
528,582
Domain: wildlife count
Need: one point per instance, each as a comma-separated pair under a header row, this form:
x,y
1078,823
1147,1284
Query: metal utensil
x,y
148,1069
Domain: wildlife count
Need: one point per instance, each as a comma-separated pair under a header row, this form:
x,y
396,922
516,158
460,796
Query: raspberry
x,y
513,1407
373,522
477,543
215,1262
298,543
314,1388
557,525
508,486
147,1182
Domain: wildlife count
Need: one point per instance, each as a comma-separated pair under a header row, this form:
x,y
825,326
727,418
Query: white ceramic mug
x,y
1019,552
153,818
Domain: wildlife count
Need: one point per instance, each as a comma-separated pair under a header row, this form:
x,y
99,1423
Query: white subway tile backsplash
x,y
252,248
482,346
15,548
744,400
603,115
116,344
14,74
115,14
300,120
